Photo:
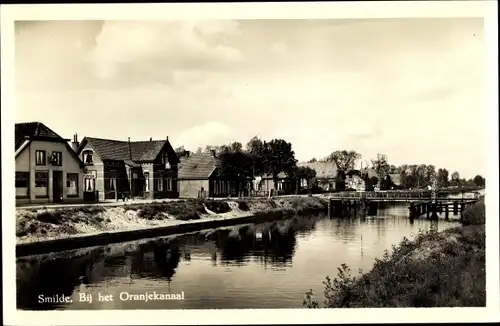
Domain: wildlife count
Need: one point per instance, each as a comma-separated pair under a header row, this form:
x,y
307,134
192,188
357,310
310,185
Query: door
x,y
57,186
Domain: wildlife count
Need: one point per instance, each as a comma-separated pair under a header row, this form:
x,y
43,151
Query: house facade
x,y
198,177
136,169
285,185
47,169
354,181
326,174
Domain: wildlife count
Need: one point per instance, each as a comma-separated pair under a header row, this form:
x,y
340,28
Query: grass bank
x,y
63,223
445,269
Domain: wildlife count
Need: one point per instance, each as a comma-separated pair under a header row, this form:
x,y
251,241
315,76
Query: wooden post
x,y
412,212
330,207
434,212
427,210
446,212
462,209
455,208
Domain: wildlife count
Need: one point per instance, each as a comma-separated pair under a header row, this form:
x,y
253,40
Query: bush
x,y
54,217
217,206
475,214
242,205
452,276
188,210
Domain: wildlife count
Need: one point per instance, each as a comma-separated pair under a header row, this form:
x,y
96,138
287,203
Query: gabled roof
x,y
198,166
353,172
134,151
371,172
31,130
395,178
324,170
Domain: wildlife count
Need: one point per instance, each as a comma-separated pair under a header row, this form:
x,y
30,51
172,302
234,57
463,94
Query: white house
x,y
47,169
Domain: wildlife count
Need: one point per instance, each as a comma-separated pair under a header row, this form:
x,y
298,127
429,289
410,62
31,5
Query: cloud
x,y
210,133
145,51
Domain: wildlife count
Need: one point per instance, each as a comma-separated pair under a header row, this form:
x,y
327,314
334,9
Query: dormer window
x,y
87,157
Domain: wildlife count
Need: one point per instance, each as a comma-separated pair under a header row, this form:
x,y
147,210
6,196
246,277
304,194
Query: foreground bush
x,y
187,210
475,214
217,206
444,269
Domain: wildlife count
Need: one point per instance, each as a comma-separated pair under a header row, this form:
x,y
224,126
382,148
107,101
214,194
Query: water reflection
x,y
265,265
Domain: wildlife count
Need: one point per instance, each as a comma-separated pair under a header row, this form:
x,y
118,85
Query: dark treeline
x,y
240,163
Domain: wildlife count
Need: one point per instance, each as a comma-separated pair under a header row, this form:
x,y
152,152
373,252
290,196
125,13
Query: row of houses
x,y
50,168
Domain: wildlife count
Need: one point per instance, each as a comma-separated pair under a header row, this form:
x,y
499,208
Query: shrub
x,y
475,214
217,206
452,276
242,205
54,217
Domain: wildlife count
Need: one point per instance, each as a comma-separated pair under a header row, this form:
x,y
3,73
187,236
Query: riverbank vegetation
x,y
67,222
445,269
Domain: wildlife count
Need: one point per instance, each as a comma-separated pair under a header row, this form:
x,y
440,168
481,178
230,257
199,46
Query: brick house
x,y
285,184
139,169
198,177
326,174
47,169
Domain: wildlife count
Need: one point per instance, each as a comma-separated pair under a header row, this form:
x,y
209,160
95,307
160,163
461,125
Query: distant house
x,y
198,177
284,185
47,169
115,168
396,179
326,174
354,180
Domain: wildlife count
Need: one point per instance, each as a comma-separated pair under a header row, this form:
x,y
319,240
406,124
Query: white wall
x,y
26,162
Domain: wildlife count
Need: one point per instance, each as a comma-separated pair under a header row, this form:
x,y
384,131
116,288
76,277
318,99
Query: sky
x,y
413,89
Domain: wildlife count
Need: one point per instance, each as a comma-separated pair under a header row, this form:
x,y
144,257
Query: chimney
x,y
75,143
129,149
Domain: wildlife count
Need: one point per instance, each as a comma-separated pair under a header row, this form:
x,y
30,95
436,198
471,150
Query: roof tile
x,y
197,166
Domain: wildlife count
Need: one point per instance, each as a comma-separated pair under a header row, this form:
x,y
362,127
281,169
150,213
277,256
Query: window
x,y
146,181
41,183
40,157
22,179
72,184
165,161
169,184
56,158
22,182
111,183
87,157
89,184
158,184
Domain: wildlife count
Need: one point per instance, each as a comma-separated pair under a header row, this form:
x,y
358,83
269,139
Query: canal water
x,y
266,265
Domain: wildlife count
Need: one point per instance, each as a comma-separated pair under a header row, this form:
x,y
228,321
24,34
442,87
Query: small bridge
x,y
391,196
421,202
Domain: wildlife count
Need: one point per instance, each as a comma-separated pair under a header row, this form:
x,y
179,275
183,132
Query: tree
x,y
301,173
255,148
455,178
380,165
180,151
278,157
479,181
442,178
233,163
430,174
344,160
313,160
199,150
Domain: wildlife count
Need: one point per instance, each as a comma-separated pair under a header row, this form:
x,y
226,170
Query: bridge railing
x,y
382,195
